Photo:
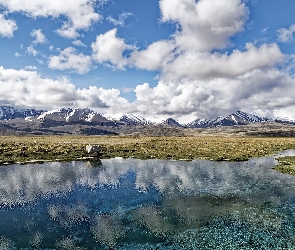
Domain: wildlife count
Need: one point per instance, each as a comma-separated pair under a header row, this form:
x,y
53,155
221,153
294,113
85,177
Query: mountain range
x,y
59,117
8,113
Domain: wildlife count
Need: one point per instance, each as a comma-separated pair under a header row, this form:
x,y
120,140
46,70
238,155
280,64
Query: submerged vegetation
x,y
18,149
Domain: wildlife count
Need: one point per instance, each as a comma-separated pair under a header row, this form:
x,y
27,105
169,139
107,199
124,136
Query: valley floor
x,y
22,149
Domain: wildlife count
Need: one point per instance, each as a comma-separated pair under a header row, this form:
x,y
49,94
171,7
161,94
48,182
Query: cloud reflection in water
x,y
135,202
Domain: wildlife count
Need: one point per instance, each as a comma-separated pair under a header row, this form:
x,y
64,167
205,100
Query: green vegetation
x,y
14,149
287,165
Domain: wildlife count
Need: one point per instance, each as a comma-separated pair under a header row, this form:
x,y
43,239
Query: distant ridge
x,y
87,116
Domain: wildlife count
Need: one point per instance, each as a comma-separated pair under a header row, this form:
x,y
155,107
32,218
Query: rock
x,y
93,149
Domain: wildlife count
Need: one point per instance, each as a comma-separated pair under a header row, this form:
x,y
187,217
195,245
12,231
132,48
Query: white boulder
x,y
92,149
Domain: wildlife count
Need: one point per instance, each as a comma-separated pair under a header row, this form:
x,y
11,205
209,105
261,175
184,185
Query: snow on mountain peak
x,y
134,119
7,112
73,115
237,118
42,116
249,117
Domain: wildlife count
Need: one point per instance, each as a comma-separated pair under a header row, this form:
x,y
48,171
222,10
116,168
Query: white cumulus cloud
x,y
80,14
31,67
286,35
39,36
285,113
202,65
258,89
205,24
79,43
110,97
121,19
7,27
154,57
70,59
196,79
29,89
108,48
32,51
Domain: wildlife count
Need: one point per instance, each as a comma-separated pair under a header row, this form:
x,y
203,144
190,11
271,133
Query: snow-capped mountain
x,y
89,117
240,116
237,118
8,113
69,115
133,119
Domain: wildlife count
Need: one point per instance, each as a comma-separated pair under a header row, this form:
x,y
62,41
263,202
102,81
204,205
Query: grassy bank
x,y
67,148
287,165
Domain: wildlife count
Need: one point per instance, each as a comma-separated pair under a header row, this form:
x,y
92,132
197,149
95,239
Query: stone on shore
x,y
93,149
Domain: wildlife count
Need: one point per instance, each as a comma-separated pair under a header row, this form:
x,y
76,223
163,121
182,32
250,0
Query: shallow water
x,y
151,204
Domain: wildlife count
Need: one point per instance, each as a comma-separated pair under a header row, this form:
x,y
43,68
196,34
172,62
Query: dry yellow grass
x,y
66,148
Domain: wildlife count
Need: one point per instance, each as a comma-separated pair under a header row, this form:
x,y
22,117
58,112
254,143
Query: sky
x,y
184,59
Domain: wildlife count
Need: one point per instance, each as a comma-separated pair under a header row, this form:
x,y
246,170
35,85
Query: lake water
x,y
150,204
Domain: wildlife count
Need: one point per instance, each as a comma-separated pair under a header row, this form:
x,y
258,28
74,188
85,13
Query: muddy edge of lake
x,y
27,149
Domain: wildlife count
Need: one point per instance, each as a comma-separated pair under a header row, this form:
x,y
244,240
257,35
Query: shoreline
x,y
38,149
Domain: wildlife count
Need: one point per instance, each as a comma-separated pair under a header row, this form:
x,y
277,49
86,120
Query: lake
x,y
147,204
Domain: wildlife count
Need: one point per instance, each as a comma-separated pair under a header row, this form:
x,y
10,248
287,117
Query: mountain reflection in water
x,y
151,204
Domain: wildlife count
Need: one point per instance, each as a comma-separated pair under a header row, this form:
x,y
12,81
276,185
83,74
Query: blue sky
x,y
156,58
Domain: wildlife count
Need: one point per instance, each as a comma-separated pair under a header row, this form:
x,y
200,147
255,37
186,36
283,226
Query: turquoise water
x,y
151,204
